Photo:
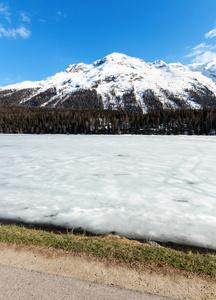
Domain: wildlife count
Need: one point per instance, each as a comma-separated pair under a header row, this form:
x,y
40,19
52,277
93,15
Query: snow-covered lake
x,y
161,188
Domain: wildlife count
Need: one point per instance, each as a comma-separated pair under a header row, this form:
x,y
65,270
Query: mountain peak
x,y
116,56
113,57
120,82
159,63
75,68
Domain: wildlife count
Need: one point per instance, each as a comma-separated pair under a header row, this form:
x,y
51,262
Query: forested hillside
x,y
37,120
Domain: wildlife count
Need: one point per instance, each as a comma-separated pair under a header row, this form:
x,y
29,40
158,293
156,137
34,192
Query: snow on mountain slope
x,y
119,81
207,69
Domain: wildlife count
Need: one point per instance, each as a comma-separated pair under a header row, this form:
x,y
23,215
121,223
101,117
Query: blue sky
x,y
40,38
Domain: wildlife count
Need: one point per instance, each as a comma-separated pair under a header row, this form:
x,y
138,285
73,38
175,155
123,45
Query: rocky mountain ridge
x,y
119,82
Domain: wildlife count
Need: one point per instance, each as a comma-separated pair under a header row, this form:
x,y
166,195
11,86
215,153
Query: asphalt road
x,y
21,284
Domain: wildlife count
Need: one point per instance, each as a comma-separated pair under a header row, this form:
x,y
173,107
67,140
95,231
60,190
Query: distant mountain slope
x,y
207,69
119,82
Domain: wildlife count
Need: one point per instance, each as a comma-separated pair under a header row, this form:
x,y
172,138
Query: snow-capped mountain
x,y
119,82
208,69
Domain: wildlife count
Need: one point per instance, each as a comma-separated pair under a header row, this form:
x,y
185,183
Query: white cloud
x,y
60,14
204,57
15,33
211,34
202,53
202,45
24,17
5,11
194,53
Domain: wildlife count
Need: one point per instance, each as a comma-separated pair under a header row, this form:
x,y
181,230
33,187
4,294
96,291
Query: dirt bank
x,y
152,278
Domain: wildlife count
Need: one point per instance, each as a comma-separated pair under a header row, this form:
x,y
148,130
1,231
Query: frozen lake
x,y
160,188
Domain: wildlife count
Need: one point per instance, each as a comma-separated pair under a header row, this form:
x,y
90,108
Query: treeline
x,y
38,120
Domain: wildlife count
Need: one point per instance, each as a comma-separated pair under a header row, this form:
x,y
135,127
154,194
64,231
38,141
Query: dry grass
x,y
114,247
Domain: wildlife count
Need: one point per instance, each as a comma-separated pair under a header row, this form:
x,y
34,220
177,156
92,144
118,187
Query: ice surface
x,y
156,187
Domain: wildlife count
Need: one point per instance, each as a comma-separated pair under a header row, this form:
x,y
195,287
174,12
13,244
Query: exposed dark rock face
x,y
151,101
41,98
14,97
130,103
180,103
202,96
83,99
89,99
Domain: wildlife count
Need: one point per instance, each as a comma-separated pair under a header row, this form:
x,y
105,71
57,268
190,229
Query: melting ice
x,y
146,187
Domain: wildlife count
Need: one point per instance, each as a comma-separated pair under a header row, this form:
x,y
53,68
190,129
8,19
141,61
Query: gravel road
x,y
20,284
